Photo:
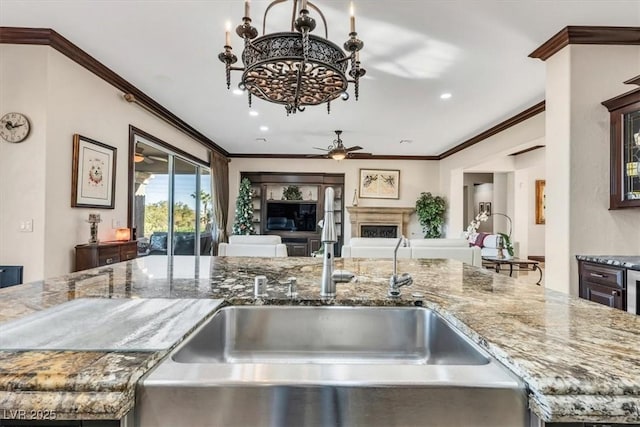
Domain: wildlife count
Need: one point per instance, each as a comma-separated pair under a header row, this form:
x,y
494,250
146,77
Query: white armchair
x,y
253,246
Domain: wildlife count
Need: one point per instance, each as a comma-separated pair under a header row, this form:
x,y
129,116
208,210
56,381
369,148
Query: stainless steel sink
x,y
331,335
329,366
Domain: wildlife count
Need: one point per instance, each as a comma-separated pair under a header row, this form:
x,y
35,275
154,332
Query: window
x,y
172,210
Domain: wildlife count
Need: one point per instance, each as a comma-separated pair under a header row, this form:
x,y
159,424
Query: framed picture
x,y
487,208
93,178
379,184
540,201
481,207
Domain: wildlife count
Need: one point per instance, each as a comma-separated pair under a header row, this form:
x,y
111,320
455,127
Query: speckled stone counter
x,y
579,360
627,261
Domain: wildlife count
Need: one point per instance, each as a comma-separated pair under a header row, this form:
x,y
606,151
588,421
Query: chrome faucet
x,y
395,282
328,239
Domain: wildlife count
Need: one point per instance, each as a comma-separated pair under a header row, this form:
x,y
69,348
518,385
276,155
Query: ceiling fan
x,y
139,156
337,150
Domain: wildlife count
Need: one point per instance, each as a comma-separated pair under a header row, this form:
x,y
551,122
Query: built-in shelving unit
x,y
295,221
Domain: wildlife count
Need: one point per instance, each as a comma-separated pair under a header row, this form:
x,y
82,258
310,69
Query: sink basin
x,y
328,335
329,366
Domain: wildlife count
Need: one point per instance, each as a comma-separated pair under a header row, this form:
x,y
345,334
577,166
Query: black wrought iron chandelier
x,y
294,68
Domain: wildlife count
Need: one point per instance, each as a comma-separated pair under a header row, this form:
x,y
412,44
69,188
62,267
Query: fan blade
x,y
158,158
323,149
317,156
354,148
147,160
359,154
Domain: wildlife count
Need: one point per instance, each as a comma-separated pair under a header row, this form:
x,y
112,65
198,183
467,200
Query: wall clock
x,y
14,127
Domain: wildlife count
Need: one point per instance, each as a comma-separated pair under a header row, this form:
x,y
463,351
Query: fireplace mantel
x,y
365,215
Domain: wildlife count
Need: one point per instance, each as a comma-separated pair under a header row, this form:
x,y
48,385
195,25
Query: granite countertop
x,y
627,261
579,360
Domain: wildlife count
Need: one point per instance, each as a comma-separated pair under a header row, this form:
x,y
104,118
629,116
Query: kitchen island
x,y
580,361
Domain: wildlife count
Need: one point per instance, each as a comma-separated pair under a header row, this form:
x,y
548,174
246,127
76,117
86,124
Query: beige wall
x,y
529,168
35,176
490,155
23,88
579,78
416,176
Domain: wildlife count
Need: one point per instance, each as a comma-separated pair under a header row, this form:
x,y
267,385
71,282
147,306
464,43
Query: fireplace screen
x,y
390,231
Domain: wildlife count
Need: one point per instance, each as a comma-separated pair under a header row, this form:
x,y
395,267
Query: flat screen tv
x,y
291,216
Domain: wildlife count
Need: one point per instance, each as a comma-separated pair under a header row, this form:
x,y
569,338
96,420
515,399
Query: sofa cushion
x,y
374,252
158,241
255,239
439,243
374,242
250,250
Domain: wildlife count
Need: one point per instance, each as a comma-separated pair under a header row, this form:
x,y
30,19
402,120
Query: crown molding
x,y
586,35
500,127
526,150
48,37
354,156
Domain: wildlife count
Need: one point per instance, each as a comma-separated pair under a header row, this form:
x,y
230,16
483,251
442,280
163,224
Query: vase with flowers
x,y
471,234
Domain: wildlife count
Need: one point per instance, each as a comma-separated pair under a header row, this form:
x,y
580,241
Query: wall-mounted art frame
x,y
379,184
540,201
93,177
480,207
487,208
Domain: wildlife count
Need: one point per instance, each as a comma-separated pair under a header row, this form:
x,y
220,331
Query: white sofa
x,y
446,248
459,249
374,247
253,246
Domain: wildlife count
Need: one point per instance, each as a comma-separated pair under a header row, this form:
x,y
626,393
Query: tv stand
x,y
269,187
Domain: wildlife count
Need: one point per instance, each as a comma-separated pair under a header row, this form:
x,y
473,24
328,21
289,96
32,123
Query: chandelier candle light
x,y
294,68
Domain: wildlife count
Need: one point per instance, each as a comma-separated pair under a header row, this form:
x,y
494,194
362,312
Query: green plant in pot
x,y
430,210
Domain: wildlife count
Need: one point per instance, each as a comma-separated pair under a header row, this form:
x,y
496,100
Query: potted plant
x,y
430,210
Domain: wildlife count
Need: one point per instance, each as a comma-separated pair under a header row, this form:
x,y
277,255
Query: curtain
x,y
220,188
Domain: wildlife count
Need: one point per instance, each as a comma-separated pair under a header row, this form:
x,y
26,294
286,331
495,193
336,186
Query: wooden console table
x,y
93,255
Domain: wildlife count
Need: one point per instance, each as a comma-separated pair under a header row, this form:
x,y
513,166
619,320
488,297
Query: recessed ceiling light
x,y
445,96
253,113
264,128
237,92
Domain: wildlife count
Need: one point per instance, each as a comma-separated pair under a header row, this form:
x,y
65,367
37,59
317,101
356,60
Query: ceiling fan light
x,y
339,156
137,158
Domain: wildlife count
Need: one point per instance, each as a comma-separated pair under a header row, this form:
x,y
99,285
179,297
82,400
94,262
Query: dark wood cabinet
x,y
625,149
104,253
603,284
267,189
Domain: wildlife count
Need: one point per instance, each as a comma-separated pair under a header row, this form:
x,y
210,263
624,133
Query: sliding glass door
x,y
172,204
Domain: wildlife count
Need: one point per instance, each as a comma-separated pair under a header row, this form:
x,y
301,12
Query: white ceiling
x,y
414,51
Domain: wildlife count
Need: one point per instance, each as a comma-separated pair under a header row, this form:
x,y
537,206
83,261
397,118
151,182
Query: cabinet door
x,y
297,249
603,295
625,157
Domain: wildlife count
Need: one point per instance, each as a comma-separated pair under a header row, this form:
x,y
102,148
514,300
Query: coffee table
x,y
515,264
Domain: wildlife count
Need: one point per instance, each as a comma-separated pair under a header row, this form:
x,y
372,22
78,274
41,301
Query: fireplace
x,y
367,221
